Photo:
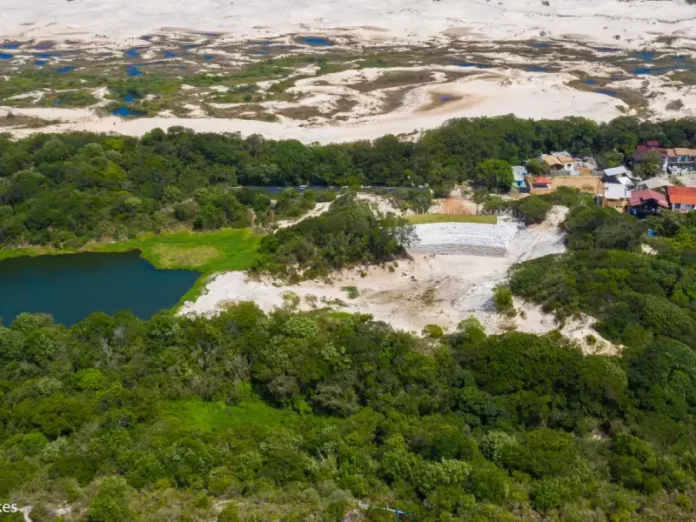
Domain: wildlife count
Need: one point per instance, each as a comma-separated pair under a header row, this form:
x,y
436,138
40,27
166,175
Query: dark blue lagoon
x,y
70,287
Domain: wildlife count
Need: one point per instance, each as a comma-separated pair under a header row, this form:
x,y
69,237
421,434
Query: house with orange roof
x,y
681,199
560,162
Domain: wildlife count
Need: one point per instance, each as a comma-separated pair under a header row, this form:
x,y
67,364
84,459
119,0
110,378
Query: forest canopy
x,y
65,190
294,416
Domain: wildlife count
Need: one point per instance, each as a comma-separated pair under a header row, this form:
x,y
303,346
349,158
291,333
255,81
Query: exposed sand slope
x,y
429,289
416,20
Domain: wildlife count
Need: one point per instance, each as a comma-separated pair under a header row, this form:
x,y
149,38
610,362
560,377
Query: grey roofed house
x,y
654,183
618,171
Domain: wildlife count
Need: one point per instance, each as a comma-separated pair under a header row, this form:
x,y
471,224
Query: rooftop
x,y
682,195
653,183
616,191
638,197
685,152
616,171
551,160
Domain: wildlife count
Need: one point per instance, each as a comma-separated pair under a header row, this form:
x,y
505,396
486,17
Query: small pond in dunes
x,y
70,287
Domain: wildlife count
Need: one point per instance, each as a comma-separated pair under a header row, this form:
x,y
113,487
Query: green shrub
x,y
352,291
502,299
433,331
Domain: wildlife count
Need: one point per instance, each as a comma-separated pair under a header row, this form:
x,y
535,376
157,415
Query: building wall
x,y
684,162
683,207
618,204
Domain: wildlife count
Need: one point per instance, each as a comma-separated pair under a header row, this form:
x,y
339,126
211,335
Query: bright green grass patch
x,y
216,416
206,252
420,219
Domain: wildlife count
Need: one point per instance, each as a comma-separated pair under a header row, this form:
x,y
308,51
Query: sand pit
x,y
429,289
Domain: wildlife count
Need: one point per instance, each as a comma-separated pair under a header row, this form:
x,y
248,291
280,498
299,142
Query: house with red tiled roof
x,y
647,202
681,199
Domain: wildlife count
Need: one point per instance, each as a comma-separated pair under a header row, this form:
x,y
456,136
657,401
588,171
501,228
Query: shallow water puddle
x,y
133,70
316,41
123,112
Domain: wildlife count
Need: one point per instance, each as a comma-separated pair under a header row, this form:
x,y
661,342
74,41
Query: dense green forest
x,y
350,233
65,190
637,297
295,416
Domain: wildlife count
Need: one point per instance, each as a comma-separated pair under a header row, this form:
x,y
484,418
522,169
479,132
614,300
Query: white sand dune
x,y
634,23
526,95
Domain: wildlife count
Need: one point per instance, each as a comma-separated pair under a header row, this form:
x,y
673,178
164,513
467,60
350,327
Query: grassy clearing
x,y
421,219
217,416
206,252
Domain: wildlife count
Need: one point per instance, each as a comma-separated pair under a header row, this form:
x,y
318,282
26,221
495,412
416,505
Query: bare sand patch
x,y
409,295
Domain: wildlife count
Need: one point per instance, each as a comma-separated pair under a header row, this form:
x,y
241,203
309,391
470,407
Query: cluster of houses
x,y
674,160
619,187
564,171
625,192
